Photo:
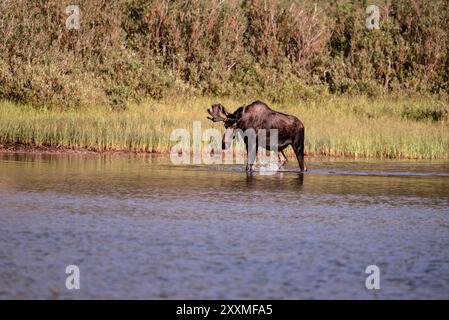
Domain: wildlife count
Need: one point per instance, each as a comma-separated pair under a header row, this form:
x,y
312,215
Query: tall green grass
x,y
355,127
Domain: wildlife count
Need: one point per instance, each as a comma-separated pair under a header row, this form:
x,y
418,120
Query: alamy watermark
x,y
373,18
73,279
211,146
73,21
372,282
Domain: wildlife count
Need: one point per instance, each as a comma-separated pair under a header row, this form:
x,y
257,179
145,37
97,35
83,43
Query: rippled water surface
x,y
139,227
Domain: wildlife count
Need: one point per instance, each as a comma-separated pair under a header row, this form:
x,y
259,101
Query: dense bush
x,y
128,50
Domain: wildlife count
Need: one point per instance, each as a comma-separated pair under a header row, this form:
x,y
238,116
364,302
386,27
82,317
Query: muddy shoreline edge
x,y
54,150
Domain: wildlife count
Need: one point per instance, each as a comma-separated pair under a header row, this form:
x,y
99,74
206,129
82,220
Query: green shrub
x,y
130,50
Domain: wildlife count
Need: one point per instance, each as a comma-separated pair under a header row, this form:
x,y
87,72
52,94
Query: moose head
x,y
217,112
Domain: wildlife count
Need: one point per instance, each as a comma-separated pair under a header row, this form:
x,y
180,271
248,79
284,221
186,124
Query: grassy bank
x,y
357,127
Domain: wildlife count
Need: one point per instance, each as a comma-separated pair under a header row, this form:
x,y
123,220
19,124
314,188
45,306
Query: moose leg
x,y
282,161
251,149
298,147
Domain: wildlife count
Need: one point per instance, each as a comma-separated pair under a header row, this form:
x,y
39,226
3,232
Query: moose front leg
x,y
282,161
251,150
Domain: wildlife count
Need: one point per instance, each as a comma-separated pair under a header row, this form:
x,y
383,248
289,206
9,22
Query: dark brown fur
x,y
258,115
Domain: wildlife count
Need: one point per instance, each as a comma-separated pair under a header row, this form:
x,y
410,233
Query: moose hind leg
x,y
298,147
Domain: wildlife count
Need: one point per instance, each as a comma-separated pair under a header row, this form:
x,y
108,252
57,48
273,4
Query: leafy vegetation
x,y
281,51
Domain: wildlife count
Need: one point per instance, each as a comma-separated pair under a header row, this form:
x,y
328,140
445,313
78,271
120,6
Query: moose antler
x,y
217,110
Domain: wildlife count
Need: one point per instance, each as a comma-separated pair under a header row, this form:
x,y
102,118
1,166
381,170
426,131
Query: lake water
x,y
140,227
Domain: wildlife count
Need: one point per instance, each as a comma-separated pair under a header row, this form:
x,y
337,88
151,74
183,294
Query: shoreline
x,y
33,149
53,150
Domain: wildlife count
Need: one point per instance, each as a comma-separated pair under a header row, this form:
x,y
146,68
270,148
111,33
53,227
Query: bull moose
x,y
257,116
